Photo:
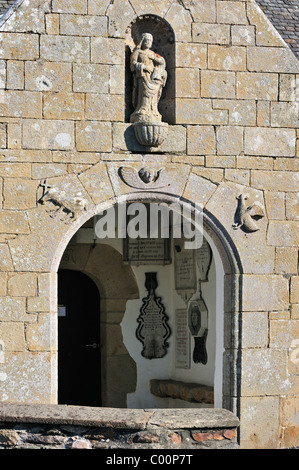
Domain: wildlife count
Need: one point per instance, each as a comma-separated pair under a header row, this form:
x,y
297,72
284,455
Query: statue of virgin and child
x,y
149,72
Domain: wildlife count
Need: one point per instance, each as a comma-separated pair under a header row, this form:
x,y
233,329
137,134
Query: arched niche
x,y
164,45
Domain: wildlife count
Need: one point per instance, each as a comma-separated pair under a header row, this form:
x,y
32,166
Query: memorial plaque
x,y
153,330
146,251
185,275
198,326
182,340
203,260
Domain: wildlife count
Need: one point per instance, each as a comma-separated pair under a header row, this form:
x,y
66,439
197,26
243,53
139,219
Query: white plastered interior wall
x,y
164,368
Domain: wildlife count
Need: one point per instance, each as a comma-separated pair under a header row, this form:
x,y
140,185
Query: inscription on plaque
x,y
153,329
146,251
203,260
182,340
185,276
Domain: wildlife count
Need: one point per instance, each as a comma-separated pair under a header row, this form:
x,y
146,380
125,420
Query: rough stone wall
x,y
235,132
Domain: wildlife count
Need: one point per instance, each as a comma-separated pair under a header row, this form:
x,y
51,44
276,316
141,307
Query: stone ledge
x,y
118,418
72,427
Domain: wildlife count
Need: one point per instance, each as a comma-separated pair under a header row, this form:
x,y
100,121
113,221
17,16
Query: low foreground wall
x,y
76,427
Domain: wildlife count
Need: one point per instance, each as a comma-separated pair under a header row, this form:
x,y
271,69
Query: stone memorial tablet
x,y
185,275
153,329
146,251
203,259
182,340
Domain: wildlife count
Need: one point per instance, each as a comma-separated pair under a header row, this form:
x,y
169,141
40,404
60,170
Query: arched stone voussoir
x,y
255,255
62,202
142,177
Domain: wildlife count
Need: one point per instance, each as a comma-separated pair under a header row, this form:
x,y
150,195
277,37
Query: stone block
x,y
263,117
97,8
288,87
52,23
63,106
107,51
254,163
264,372
254,330
199,111
12,309
217,84
105,107
5,259
116,79
13,336
237,176
70,6
94,136
14,137
13,222
83,158
64,48
48,76
201,140
120,14
22,284
243,35
260,413
41,336
94,178
199,190
15,75
286,260
207,33
275,291
191,55
78,25
19,46
19,193
180,20
285,114
51,134
283,333
266,34
187,83
283,233
271,59
157,7
91,78
275,205
292,206
3,136
241,112
41,171
34,371
257,86
231,58
295,289
270,142
3,282
231,12
274,180
22,104
203,11
229,140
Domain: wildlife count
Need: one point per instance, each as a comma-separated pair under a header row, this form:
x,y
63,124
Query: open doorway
x,y
79,358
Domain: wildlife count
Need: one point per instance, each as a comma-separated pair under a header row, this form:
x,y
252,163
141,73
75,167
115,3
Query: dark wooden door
x,y
79,354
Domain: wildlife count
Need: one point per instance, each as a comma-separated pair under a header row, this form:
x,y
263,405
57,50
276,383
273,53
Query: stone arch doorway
x,y
228,327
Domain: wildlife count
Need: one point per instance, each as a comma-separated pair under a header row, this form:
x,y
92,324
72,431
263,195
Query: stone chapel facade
x,y
69,150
